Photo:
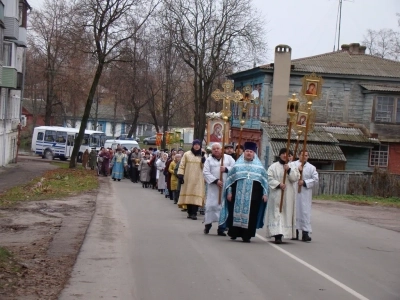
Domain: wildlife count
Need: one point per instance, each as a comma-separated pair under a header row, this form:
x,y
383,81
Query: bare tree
x,y
212,37
49,38
134,75
172,74
108,26
383,43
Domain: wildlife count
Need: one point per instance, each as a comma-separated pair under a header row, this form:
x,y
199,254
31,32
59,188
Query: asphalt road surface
x,y
141,246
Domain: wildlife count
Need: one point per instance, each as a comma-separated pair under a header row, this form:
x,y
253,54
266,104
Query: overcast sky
x,y
308,26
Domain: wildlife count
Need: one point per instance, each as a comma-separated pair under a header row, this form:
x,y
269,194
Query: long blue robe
x,y
241,178
118,162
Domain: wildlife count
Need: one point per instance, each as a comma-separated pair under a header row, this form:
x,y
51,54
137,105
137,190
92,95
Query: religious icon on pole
x,y
158,139
312,87
302,119
215,132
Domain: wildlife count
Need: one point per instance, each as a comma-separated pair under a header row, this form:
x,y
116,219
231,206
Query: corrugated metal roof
x,y
280,132
381,88
345,63
315,151
322,134
349,134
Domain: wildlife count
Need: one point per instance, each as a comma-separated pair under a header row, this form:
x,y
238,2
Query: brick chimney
x,y
354,48
280,88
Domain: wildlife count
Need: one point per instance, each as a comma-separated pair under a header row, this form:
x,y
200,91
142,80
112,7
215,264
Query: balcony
x,y
21,42
9,78
12,28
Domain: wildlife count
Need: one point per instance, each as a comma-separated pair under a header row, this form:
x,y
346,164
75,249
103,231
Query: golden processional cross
x,y
247,102
226,96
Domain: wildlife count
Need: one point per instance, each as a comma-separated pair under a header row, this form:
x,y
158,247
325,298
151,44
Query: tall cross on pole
x,y
226,96
245,104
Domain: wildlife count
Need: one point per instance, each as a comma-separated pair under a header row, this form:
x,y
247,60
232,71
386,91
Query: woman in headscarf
x,y
160,172
144,169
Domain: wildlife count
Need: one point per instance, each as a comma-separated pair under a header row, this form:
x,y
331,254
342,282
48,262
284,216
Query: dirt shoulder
x,y
44,237
381,216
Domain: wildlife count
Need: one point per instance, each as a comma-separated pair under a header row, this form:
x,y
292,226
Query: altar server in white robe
x,y
304,198
281,224
212,170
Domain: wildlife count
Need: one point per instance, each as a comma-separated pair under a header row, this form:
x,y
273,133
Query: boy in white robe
x,y
212,170
281,224
304,198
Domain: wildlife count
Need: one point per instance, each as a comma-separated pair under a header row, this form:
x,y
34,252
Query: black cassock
x,y
255,204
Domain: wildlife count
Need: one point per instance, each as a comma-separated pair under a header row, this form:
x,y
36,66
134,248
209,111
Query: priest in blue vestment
x,y
245,195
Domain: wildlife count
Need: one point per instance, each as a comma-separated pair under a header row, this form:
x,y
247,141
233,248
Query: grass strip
x,y
54,184
361,200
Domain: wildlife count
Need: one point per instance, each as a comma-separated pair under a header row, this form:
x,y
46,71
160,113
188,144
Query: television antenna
x,y
338,24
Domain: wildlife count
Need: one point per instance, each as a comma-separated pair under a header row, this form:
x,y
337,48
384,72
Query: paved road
x,y
140,246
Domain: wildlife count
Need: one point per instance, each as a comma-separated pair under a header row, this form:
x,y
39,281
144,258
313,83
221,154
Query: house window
x,y
99,127
387,110
7,54
379,156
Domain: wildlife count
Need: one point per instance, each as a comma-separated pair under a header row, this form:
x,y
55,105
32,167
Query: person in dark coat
x,y
105,165
92,158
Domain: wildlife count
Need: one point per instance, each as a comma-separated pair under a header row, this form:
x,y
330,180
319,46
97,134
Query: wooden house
x,y
360,100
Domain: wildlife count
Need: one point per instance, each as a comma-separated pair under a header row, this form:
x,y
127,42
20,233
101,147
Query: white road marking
x,y
319,272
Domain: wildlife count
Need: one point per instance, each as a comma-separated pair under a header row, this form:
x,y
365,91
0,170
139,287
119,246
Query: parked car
x,y
150,140
125,137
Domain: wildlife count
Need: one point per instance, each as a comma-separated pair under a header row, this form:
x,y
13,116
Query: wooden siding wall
x,y
355,183
342,101
357,158
251,123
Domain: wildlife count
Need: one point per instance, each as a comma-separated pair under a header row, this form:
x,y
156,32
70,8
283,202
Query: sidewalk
x,y
22,172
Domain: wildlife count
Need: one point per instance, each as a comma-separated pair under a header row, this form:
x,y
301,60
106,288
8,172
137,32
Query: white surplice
x,y
211,172
304,198
281,223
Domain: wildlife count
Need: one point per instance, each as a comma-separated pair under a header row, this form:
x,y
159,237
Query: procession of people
x,y
232,189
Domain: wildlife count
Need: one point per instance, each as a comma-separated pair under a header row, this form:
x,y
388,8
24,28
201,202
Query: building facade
x,y
13,16
360,91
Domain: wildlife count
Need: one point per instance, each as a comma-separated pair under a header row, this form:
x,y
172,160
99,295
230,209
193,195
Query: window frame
x,y
394,114
381,155
11,56
50,133
40,134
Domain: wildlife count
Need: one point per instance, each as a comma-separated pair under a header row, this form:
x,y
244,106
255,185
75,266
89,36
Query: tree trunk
x,y
50,89
134,124
86,114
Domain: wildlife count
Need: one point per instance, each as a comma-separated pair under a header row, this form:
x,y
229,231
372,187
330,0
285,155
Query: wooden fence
x,y
375,183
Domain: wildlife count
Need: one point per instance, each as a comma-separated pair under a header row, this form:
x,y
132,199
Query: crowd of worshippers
x,y
229,186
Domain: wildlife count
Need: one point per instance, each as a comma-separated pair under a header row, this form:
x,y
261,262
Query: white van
x,y
58,142
128,144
